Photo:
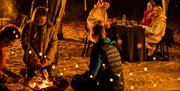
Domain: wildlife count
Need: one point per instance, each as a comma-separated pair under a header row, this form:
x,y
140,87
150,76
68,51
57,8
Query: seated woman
x,y
148,15
156,30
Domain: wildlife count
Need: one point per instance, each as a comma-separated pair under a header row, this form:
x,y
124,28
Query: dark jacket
x,y
105,69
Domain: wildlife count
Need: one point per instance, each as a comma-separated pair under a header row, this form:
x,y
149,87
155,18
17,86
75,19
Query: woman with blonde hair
x,y
156,30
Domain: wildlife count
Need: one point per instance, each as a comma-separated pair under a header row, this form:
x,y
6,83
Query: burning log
x,y
44,82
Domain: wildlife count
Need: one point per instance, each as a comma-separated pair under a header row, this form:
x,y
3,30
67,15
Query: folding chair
x,y
87,43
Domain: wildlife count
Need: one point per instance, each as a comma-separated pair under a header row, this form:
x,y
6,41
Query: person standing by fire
x,y
39,42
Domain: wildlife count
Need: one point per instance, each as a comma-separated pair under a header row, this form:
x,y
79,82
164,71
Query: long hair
x,y
40,10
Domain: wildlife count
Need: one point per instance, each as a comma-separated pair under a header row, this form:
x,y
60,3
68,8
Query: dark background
x,y
132,8
75,8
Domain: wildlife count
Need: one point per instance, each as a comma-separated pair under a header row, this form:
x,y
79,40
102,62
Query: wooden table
x,y
133,41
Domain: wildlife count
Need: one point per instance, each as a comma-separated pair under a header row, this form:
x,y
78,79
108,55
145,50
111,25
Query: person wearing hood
x,y
39,42
156,30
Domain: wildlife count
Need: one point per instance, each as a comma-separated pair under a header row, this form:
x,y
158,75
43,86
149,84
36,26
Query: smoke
x,y
8,9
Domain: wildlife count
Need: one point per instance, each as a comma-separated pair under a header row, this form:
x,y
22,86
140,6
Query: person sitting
x,y
96,15
148,15
156,30
8,34
105,68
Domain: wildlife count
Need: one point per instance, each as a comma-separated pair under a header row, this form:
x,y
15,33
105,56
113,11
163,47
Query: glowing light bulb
x,y
97,83
139,45
76,66
61,74
132,87
64,69
111,80
103,65
179,79
131,74
17,36
45,56
53,67
40,54
145,68
14,32
155,85
154,58
121,83
30,52
91,76
118,75
12,52
35,72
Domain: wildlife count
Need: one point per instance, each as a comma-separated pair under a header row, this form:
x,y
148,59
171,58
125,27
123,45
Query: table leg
x,y
130,37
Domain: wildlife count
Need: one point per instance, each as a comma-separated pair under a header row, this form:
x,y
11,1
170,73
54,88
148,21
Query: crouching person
x,y
105,69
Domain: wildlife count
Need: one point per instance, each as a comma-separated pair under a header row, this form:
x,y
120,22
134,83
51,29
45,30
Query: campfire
x,y
41,81
37,83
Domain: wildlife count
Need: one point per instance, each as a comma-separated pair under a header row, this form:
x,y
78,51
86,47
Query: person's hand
x,y
45,62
